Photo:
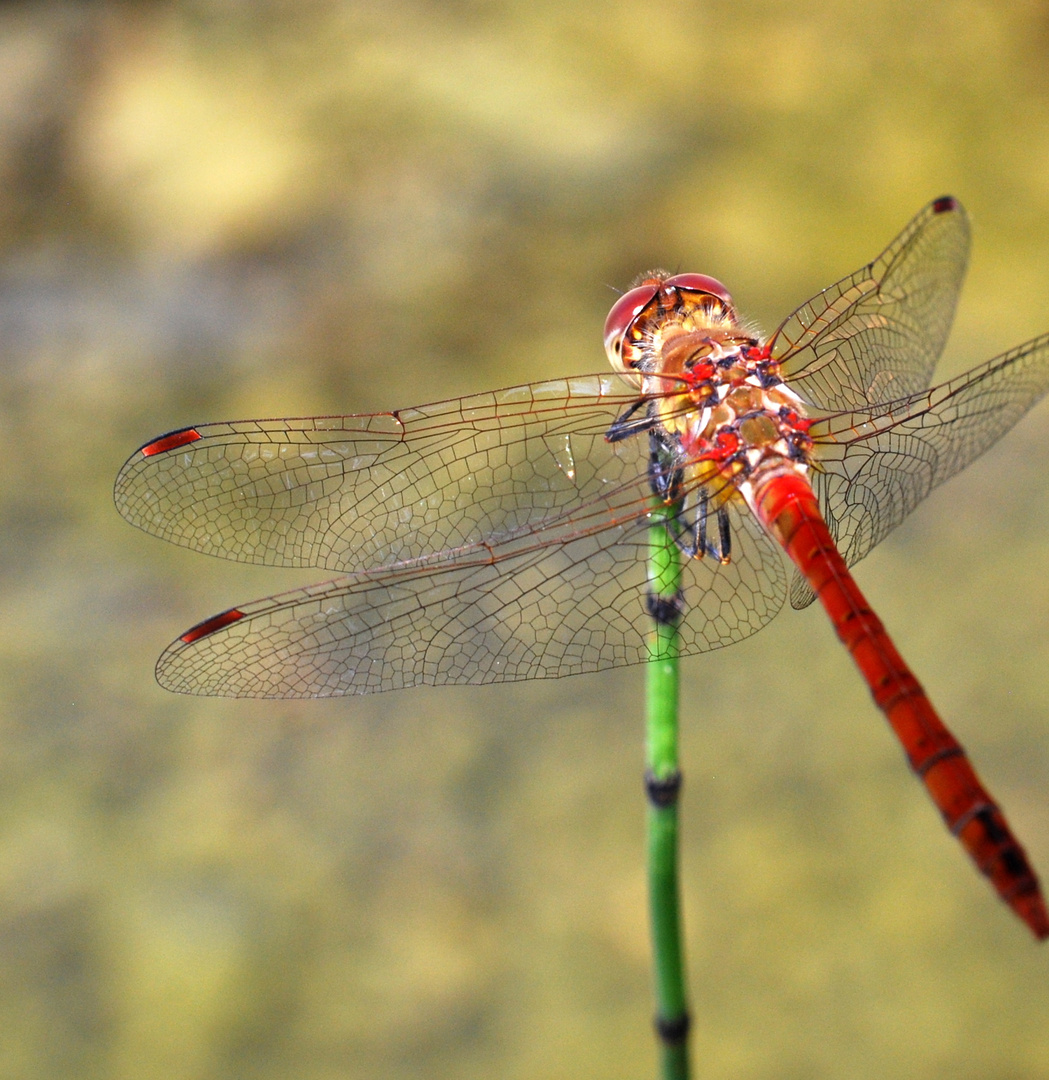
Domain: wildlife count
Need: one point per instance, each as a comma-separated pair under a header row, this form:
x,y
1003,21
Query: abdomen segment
x,y
788,508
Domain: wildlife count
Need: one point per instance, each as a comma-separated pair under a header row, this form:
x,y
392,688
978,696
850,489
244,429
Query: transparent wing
x,y
349,493
874,466
521,609
876,335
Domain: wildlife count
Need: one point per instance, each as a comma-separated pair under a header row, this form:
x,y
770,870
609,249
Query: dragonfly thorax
x,y
752,419
719,416
717,396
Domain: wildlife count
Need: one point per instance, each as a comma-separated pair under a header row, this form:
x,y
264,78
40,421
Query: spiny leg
x,y
724,535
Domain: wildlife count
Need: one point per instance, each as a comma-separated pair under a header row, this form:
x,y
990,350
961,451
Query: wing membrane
x,y
876,465
520,610
876,335
348,493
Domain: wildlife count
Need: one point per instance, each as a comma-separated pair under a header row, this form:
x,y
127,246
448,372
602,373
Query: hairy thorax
x,y
722,408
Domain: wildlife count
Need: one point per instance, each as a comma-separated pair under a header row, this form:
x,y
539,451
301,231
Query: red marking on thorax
x,y
798,423
726,443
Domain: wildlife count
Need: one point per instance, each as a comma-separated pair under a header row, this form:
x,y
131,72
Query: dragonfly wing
x,y
518,611
875,466
349,493
877,334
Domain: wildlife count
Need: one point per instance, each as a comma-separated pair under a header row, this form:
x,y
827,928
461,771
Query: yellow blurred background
x,y
221,209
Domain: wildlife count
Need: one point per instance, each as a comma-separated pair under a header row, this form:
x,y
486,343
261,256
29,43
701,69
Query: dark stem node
x,y
662,791
666,609
673,1032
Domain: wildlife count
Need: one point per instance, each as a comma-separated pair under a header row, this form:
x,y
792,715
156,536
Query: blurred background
x,y
221,209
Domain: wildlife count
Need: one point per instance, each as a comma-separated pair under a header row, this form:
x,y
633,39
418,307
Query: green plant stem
x,y
663,782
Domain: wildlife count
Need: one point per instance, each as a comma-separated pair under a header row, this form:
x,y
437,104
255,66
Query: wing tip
x,y
170,673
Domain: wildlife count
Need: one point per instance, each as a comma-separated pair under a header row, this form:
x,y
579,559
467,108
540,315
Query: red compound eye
x,y
623,313
699,283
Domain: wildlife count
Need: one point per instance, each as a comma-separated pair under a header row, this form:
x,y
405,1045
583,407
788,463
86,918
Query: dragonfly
x,y
503,536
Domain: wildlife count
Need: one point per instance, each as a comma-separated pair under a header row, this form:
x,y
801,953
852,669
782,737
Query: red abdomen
x,y
788,508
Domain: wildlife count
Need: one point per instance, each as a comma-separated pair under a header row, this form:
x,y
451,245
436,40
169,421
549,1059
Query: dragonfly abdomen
x,y
786,505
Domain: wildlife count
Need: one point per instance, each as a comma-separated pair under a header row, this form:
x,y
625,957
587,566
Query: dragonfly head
x,y
660,293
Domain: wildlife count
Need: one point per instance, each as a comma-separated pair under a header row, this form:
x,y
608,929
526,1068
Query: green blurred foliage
x,y
223,208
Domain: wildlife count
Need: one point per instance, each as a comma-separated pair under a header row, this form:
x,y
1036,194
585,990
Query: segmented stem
x,y
663,782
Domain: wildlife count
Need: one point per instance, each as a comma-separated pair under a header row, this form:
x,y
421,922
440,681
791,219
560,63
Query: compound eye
x,y
700,283
623,313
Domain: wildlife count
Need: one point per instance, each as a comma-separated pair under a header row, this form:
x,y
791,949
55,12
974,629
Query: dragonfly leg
x,y
724,536
666,478
700,544
664,474
626,424
700,528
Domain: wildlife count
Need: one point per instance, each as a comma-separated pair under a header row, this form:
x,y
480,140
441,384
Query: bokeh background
x,y
222,209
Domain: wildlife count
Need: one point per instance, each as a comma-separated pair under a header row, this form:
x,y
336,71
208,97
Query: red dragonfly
x,y
503,536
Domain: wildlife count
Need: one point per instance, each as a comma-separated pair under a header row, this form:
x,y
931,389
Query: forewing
x,y
875,466
525,611
350,493
876,335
